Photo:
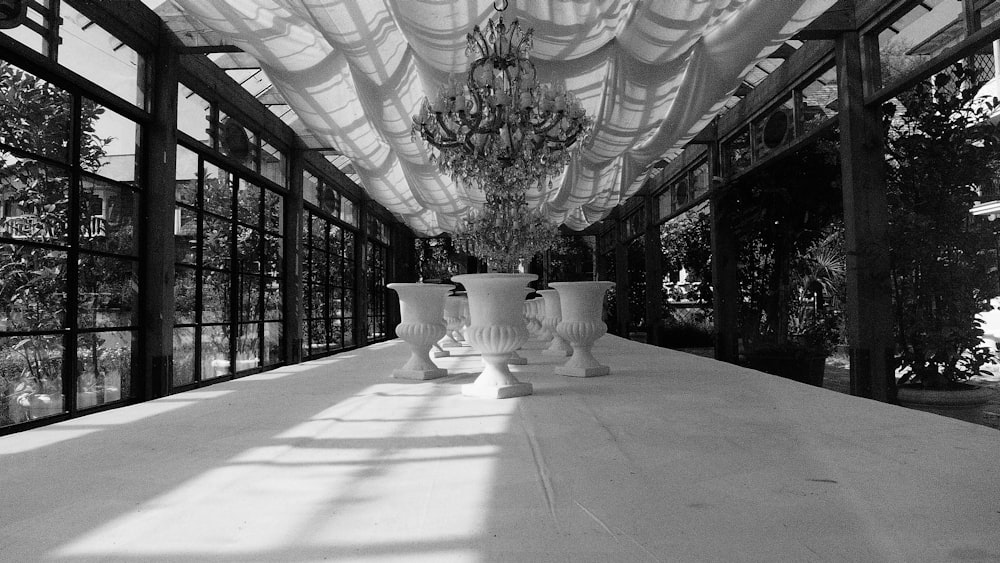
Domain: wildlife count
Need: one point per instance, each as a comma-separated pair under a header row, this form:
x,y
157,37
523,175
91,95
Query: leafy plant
x,y
941,147
787,220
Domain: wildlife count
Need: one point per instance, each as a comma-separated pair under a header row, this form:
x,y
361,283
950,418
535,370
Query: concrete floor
x,y
672,457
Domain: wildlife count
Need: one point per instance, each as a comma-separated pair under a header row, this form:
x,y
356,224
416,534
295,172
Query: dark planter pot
x,y
804,366
956,395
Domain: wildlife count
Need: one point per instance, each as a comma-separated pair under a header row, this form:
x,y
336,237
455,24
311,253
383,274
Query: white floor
x,y
672,457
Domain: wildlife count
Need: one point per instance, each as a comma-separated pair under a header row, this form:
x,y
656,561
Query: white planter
x,y
421,307
553,314
496,328
453,321
581,324
532,312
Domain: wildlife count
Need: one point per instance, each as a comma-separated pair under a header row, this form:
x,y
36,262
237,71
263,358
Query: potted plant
x,y
941,148
787,219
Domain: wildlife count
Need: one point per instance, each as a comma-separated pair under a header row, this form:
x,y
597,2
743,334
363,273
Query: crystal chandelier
x,y
504,233
499,122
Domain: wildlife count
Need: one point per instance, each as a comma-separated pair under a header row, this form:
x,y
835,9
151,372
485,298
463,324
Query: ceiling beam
x,y
838,19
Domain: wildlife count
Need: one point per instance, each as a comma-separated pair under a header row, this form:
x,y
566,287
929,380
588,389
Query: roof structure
x,y
348,76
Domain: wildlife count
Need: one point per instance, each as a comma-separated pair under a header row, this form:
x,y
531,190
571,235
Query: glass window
x,y
194,115
218,190
32,288
310,188
736,152
926,30
109,216
35,116
104,361
184,355
35,200
819,100
108,291
272,163
30,35
109,144
774,130
90,51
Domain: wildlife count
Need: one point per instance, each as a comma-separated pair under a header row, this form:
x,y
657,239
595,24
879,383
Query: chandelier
x,y
499,122
505,233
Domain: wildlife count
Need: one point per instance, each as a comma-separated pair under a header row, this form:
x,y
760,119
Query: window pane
x,y
183,356
248,204
819,100
186,183
32,288
215,297
348,214
193,114
35,200
317,336
272,163
95,54
272,344
272,299
33,369
249,298
310,188
109,143
273,253
35,116
104,361
216,243
185,235
273,209
248,347
249,249
218,191
108,291
109,216
214,351
184,295
235,141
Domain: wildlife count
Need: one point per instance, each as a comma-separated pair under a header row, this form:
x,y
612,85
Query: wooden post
x,y
725,264
654,271
621,281
293,308
361,289
156,273
869,297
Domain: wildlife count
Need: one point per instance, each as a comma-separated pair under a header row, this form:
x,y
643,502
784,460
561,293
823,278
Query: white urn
x,y
553,314
453,321
421,307
581,325
496,328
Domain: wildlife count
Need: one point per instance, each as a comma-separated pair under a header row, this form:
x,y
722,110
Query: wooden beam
x,y
725,270
154,373
869,296
293,305
654,271
838,19
209,49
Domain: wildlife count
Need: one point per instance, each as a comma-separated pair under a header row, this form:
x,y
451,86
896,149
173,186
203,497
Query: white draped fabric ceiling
x,y
652,73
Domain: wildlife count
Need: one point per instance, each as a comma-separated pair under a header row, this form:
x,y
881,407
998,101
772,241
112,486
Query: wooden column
x,y
869,298
725,265
654,270
154,372
621,282
361,295
293,309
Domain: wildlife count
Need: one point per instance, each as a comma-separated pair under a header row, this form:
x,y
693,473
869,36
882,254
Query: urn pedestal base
x,y
419,374
516,359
